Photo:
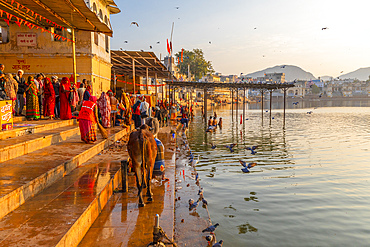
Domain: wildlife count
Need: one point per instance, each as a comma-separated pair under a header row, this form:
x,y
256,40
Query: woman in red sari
x,y
49,98
105,109
64,91
87,120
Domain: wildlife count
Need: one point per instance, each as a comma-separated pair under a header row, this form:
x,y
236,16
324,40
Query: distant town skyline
x,y
322,37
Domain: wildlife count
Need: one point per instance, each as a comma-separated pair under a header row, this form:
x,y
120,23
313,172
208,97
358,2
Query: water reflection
x,y
304,171
245,228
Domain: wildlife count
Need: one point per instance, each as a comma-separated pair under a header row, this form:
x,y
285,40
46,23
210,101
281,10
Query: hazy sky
x,y
287,32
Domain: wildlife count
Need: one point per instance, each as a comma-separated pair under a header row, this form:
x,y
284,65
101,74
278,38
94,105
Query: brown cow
x,y
142,149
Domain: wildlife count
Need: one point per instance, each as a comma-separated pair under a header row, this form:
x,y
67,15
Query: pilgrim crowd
x,y
40,96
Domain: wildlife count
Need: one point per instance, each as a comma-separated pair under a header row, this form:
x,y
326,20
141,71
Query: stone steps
x,y
62,213
24,177
35,127
123,223
21,145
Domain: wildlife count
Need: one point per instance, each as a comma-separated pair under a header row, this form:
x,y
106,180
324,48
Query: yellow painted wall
x,y
55,57
101,76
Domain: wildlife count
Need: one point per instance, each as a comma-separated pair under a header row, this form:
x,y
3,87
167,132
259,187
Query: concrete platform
x,y
23,177
36,127
62,214
123,223
21,145
19,119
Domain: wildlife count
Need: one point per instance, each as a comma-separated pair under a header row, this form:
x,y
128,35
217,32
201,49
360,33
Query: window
x,y
4,32
107,43
96,38
106,20
66,33
100,14
95,9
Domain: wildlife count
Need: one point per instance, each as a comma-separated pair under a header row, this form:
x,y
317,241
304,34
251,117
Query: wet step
x,y
123,223
31,127
25,176
21,145
62,213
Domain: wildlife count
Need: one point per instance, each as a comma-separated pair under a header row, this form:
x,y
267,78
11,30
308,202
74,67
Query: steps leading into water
x,y
21,145
62,213
31,127
25,176
123,223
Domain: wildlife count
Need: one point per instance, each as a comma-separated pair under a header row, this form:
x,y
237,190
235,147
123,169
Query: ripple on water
x,y
311,184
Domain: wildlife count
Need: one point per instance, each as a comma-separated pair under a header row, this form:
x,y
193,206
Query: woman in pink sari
x,y
49,98
105,109
64,91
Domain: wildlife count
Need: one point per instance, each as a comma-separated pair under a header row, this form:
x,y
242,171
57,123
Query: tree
x,y
315,89
198,64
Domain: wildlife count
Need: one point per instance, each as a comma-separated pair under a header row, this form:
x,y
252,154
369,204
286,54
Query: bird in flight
x,y
177,7
142,50
324,28
341,72
210,42
150,47
247,166
230,147
158,42
252,149
134,23
126,41
255,28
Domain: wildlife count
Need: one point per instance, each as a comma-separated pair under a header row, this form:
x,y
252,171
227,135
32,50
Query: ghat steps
x,y
47,196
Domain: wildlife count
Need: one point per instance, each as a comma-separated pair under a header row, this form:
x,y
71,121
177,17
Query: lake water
x,y
311,186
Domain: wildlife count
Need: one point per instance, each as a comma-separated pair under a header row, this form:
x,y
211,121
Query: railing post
x,y
124,175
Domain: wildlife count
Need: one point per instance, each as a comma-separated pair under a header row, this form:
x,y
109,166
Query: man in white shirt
x,y
40,86
144,110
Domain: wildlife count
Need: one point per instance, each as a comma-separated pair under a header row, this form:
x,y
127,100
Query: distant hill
x,y
291,73
360,74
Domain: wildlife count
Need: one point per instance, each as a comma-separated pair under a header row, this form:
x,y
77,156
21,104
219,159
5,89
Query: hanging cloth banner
x,y
33,14
19,21
141,85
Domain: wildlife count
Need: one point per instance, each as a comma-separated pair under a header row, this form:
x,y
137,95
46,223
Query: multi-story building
x,y
45,44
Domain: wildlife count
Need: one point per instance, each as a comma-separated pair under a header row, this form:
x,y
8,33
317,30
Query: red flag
x,y
241,118
168,47
182,53
171,46
17,22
